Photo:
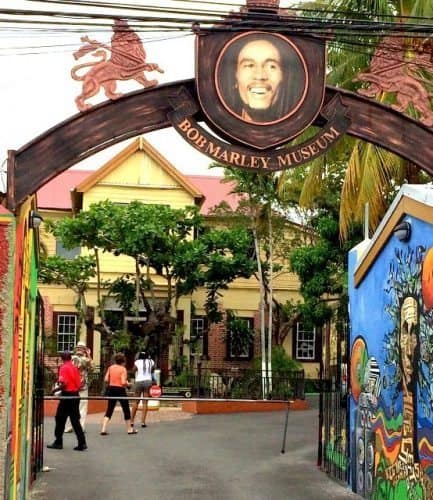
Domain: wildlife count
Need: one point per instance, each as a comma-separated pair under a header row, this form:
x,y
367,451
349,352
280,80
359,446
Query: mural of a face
x,y
259,74
408,339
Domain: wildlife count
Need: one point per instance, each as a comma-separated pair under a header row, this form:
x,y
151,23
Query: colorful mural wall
x,y
391,370
7,244
19,356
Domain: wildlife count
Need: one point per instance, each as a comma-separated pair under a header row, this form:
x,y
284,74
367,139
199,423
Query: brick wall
x,y
217,347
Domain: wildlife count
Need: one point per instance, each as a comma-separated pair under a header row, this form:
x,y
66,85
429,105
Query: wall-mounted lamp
x,y
35,219
403,231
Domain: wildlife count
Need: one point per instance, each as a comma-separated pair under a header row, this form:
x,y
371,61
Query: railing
x,y
204,383
240,384
335,457
37,436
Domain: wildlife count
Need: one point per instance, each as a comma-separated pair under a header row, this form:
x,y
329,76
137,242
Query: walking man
x,y
70,381
82,359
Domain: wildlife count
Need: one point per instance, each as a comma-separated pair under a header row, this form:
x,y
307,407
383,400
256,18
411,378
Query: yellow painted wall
x,y
139,178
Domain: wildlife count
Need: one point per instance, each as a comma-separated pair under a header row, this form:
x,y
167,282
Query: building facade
x,y
139,172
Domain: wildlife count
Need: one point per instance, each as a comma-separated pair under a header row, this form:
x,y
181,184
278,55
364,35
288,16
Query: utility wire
x,y
208,25
341,31
303,10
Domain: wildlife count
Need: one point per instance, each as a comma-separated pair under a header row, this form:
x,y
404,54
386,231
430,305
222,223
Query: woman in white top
x,y
143,368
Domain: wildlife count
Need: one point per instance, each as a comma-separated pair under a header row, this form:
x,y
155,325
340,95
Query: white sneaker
x,y
69,430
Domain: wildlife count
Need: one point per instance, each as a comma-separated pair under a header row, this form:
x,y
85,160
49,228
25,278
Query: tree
x,y
72,273
322,266
160,242
261,210
84,230
373,175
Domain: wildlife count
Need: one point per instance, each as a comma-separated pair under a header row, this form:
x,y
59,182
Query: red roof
x,y
55,195
214,191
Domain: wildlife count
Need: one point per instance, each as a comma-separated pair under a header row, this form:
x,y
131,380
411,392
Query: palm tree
x,y
372,174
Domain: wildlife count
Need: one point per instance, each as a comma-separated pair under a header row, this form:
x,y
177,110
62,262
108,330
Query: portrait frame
x,y
229,124
294,77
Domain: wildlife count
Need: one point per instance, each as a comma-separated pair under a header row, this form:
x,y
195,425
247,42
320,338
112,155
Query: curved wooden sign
x,y
86,133
237,156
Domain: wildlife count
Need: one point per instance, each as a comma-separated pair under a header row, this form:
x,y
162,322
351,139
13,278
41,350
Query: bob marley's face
x,y
408,340
259,74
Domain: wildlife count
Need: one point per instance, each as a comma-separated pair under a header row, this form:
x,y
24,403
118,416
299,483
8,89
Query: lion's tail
x,y
75,76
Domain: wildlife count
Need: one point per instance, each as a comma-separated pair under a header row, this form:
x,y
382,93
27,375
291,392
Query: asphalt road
x,y
212,457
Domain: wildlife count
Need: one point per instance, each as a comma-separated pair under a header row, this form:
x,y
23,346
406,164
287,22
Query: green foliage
x,y
239,334
73,273
159,239
123,290
213,260
371,174
322,268
120,341
281,361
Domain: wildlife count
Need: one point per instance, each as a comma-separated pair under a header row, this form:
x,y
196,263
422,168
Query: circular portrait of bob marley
x,y
261,78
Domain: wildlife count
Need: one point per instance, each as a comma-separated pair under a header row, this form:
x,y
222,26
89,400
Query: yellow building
x,y
139,172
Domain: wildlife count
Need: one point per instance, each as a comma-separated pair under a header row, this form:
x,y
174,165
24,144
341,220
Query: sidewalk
x,y
164,414
184,457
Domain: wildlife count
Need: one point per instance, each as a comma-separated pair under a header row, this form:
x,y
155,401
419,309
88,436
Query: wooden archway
x,y
144,111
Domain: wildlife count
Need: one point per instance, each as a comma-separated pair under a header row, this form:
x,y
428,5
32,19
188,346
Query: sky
x,y
37,91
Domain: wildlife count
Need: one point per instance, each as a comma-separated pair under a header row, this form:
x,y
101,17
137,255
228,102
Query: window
x,y
240,338
305,343
66,326
66,254
199,340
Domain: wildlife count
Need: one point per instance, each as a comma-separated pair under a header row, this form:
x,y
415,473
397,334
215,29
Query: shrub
x,y
281,361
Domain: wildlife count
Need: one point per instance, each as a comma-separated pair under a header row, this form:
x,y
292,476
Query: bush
x,y
281,361
312,385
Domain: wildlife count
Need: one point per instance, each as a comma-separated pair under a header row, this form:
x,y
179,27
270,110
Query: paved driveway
x,y
178,456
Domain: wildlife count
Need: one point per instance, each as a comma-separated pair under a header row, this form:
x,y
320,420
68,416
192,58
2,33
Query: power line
x,y
234,24
346,14
335,30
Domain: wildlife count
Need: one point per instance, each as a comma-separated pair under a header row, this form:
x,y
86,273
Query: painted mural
x,y
22,359
392,378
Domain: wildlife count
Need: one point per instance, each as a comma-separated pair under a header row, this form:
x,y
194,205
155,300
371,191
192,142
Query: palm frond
x,y
313,183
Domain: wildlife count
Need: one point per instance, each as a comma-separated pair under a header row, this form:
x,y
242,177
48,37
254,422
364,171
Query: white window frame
x,y
66,327
305,342
198,329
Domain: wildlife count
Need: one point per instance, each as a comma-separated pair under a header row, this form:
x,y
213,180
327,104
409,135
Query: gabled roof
x,y
139,144
207,190
414,200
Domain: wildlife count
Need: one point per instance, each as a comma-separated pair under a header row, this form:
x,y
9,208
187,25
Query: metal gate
x,y
37,444
333,450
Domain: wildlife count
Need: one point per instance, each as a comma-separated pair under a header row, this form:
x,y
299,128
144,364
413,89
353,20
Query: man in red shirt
x,y
70,382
